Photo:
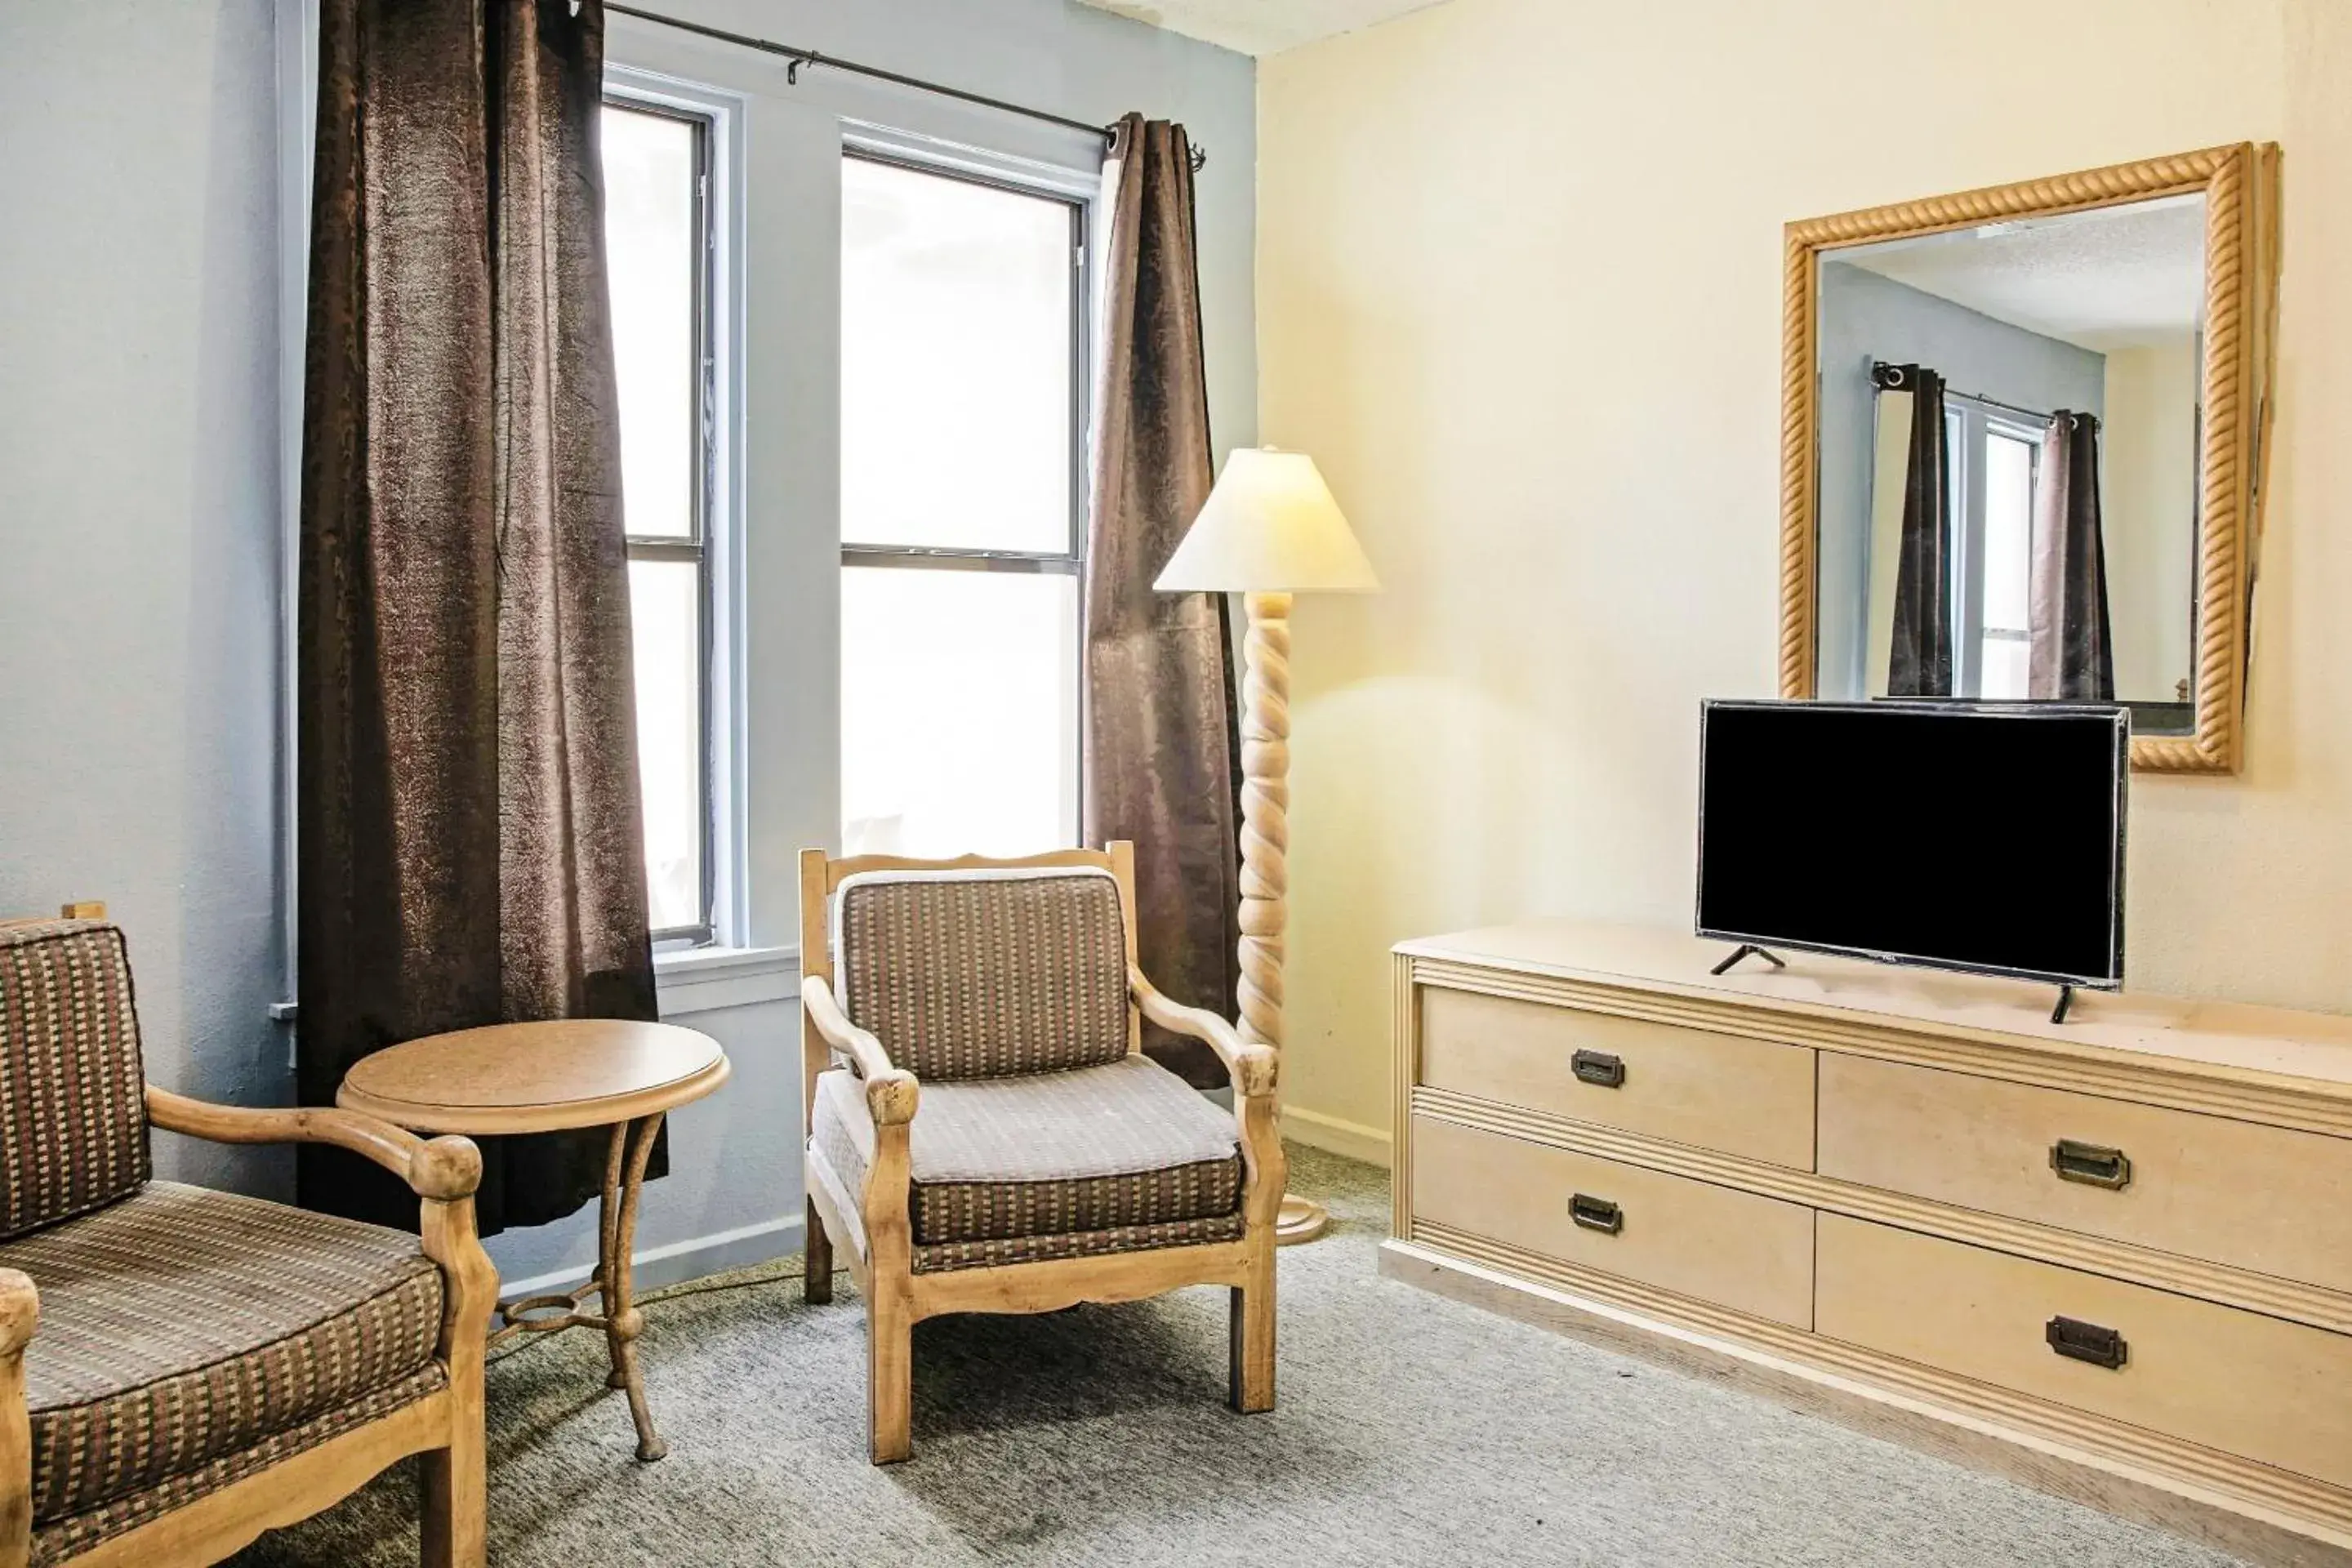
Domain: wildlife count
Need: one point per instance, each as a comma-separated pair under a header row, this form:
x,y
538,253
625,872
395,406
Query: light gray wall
x,y
1865,317
139,498
733,1194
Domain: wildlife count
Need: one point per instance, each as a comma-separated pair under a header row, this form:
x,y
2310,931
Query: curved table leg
x,y
624,1180
608,1214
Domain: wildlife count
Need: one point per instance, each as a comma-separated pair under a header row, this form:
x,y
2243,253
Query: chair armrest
x,y
891,1092
442,1170
20,1311
1254,1068
892,1096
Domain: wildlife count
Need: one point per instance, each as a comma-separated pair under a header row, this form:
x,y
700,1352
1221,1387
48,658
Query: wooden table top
x,y
535,1077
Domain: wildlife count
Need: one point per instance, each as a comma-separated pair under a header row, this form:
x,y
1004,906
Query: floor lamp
x,y
1269,529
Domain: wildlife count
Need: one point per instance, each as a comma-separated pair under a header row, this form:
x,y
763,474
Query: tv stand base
x,y
1745,950
2065,1005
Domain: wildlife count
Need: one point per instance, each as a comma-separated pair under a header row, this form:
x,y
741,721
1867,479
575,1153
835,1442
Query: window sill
x,y
703,979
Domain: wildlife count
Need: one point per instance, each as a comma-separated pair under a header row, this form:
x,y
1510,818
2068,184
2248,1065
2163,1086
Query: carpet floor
x,y
1411,1430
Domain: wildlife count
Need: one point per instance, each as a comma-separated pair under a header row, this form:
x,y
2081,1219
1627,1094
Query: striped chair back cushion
x,y
964,974
73,1110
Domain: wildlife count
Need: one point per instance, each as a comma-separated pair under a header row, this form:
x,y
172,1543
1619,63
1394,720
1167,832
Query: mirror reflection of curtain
x,y
1890,457
2073,650
1919,661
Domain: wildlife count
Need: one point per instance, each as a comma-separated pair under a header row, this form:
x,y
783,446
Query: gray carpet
x,y
1411,1430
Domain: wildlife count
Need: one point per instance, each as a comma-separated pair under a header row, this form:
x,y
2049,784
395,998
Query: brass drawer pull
x,y
2079,1341
2090,1164
1596,1214
1598,1068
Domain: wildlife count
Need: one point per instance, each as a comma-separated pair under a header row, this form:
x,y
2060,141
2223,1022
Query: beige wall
x,y
1520,279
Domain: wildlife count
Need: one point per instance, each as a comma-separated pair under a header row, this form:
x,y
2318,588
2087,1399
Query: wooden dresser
x,y
2111,1257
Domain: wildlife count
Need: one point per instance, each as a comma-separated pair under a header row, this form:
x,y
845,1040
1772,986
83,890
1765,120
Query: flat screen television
x,y
1980,836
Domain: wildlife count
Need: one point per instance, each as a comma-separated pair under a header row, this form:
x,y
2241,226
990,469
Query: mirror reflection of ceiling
x,y
1260,26
2113,278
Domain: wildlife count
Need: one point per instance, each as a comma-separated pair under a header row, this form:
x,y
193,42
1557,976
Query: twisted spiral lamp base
x,y
1265,844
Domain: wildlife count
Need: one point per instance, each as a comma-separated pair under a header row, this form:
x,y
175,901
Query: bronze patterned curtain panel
x,y
2071,655
469,844
1921,658
1160,745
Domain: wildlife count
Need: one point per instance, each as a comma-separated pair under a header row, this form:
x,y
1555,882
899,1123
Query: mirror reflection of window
x,y
2004,633
2096,313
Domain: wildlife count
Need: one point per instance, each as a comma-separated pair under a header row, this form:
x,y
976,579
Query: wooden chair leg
x,y
456,1530
817,1261
453,1482
1251,1330
889,1375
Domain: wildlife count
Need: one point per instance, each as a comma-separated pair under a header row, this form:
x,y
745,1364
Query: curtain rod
x,y
797,57
1887,377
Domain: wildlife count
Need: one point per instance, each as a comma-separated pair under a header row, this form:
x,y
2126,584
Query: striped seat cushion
x,y
180,1326
965,974
1103,1158
73,1110
67,1538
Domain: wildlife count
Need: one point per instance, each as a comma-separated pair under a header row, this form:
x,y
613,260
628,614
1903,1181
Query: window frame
x,y
911,155
704,514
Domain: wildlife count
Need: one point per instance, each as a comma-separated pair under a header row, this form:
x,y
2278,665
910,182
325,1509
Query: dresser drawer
x,y
2261,1387
1736,1249
1714,1092
2264,1198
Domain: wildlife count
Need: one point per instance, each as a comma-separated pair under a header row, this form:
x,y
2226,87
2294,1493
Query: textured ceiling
x,y
1260,26
2107,279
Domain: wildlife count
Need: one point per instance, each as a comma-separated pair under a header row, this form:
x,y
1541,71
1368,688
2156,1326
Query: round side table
x,y
553,1077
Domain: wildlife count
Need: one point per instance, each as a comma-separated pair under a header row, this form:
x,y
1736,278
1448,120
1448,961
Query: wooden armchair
x,y
183,1369
1051,1161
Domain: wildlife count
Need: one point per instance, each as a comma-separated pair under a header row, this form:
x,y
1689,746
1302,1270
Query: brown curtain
x,y
469,844
1160,752
2071,657
1921,658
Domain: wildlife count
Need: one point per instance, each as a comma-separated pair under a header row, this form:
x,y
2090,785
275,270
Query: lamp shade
x,y
1269,526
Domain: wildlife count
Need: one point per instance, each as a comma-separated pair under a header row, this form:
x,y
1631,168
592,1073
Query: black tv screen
x,y
1983,837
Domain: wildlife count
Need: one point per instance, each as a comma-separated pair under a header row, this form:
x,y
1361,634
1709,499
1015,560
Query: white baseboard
x,y
681,1261
1337,1135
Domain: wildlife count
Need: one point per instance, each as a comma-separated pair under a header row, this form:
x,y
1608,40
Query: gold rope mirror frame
x,y
2241,186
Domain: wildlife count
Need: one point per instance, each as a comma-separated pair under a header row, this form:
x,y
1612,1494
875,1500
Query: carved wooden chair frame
x,y
895,1297
446,1427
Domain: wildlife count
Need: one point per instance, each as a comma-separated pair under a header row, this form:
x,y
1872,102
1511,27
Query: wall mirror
x,y
2023,440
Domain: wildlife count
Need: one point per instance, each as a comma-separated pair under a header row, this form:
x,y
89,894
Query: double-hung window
x,y
1996,454
963,408
658,247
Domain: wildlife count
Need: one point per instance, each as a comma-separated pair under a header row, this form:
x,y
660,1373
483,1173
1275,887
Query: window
x,y
962,499
658,243
1995,458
